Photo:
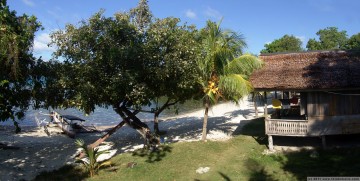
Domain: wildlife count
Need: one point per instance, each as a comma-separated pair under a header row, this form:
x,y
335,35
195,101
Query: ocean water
x,y
101,116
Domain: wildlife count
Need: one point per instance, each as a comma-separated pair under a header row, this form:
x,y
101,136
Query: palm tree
x,y
222,67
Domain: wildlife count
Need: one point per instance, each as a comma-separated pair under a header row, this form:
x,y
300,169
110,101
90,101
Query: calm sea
x,y
101,116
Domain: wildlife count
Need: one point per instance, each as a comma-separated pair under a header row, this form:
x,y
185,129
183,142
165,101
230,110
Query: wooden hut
x,y
327,85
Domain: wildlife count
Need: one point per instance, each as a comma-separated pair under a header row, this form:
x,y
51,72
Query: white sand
x,y
39,152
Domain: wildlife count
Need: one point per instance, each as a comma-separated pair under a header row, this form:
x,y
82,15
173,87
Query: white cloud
x,y
212,13
41,43
190,14
302,38
28,2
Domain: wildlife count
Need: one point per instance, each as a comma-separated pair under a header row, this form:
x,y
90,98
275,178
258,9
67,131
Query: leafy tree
x,y
312,44
102,67
171,52
354,42
125,63
17,78
287,43
329,38
223,70
141,16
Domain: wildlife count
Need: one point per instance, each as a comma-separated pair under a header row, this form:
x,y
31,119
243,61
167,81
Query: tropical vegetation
x,y
287,43
223,70
330,38
90,160
20,78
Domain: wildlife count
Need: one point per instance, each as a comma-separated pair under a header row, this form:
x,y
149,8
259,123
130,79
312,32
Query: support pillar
x,y
265,106
323,141
270,142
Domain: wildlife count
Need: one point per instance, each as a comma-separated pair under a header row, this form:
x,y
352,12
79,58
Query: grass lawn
x,y
240,158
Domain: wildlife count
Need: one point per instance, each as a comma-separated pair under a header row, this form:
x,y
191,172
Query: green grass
x,y
240,158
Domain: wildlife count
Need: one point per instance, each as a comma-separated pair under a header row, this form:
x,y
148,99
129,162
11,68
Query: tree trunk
x,y
156,123
159,111
142,128
204,132
107,135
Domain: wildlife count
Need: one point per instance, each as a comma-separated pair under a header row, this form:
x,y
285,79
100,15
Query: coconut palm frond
x,y
212,97
235,42
245,64
80,143
90,161
234,86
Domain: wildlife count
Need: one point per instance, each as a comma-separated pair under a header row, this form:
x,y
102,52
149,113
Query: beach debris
x,y
202,170
131,164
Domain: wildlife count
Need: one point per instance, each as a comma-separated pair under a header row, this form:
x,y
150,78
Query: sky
x,y
259,21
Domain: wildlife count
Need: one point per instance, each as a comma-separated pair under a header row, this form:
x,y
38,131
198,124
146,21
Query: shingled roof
x,y
308,71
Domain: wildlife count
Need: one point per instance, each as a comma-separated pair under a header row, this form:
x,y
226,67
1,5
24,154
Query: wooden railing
x,y
286,127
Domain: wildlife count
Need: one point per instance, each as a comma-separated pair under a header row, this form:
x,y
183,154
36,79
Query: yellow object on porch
x,y
276,103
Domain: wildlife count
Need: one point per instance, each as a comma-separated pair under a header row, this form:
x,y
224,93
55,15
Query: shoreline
x,y
39,152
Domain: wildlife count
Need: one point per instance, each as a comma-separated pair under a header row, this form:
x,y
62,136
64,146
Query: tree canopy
x,y
287,43
329,38
125,62
18,78
353,43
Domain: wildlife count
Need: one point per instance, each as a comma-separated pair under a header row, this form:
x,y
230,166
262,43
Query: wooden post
x,y
271,144
265,106
323,141
255,107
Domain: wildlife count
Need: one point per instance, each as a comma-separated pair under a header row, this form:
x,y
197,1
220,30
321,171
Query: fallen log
x,y
107,135
6,147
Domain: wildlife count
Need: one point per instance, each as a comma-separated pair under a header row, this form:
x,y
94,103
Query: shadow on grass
x,y
65,173
254,128
257,170
335,162
153,156
339,161
225,177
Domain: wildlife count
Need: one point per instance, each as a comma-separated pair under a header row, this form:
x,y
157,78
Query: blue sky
x,y
260,21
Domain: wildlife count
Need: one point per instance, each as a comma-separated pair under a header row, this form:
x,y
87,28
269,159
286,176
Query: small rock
x,y
131,164
202,170
314,154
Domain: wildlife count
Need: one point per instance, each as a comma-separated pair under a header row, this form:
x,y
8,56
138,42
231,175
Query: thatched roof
x,y
308,71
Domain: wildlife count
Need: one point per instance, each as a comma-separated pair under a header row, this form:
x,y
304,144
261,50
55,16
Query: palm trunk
x,y
204,133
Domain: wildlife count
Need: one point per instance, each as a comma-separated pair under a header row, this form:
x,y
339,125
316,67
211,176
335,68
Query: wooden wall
x,y
332,103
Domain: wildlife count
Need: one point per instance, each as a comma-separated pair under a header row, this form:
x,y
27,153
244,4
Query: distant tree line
x,y
329,38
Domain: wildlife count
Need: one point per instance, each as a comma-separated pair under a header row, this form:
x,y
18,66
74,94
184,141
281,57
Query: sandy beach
x,y
39,152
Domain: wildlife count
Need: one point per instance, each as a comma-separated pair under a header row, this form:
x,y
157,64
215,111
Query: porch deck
x,y
286,127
